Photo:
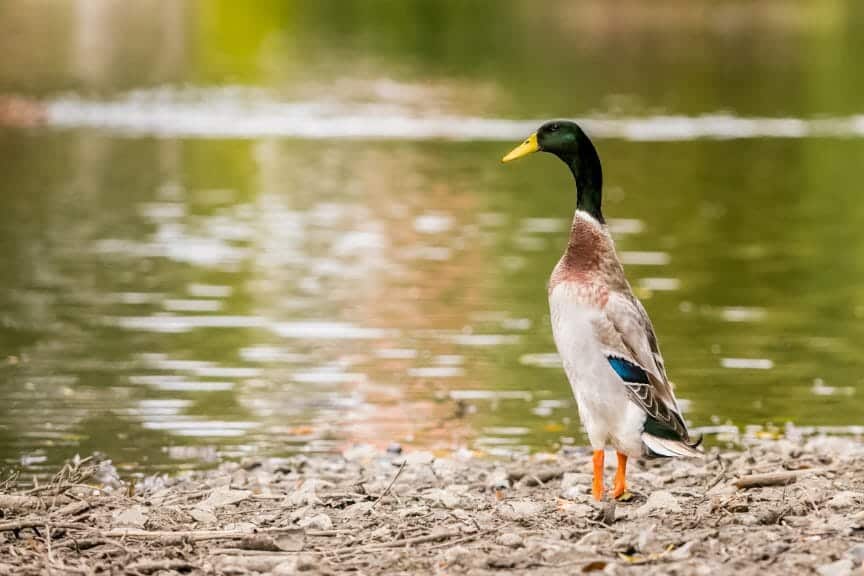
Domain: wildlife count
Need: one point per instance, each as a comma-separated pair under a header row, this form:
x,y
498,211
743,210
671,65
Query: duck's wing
x,y
630,346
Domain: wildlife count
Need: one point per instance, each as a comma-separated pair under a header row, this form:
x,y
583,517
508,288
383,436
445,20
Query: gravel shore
x,y
787,506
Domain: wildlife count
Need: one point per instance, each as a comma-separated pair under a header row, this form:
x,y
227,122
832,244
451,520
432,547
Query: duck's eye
x,y
554,128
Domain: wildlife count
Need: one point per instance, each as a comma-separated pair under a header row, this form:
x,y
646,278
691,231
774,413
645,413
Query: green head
x,y
567,141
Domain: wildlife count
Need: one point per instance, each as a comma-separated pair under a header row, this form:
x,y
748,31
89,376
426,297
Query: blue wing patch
x,y
628,371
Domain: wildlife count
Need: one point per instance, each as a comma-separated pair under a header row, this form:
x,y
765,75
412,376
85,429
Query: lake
x,y
232,232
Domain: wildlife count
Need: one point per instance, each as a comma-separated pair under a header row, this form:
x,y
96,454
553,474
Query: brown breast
x,y
589,259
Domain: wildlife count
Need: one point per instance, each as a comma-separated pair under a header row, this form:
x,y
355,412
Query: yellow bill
x,y
529,146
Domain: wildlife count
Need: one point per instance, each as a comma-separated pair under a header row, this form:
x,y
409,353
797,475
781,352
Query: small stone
x,y
458,555
223,496
134,517
317,522
419,458
574,493
844,500
646,538
413,511
509,539
446,498
445,468
722,490
519,509
286,568
857,553
360,452
202,516
682,552
659,502
575,480
394,448
576,509
305,495
839,568
357,509
307,562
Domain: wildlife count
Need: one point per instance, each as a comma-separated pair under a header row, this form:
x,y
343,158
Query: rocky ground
x,y
773,507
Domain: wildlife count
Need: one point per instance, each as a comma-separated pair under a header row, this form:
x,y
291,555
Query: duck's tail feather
x,y
672,447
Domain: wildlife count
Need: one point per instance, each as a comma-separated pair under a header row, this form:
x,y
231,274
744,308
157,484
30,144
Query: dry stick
x,y
200,535
772,479
147,566
433,537
389,486
48,546
716,480
257,553
22,524
468,538
73,509
18,501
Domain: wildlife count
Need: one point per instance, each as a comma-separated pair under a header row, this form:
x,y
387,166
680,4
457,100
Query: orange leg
x,y
597,486
620,476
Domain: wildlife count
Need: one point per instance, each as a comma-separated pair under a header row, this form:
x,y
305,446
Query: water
x,y
295,234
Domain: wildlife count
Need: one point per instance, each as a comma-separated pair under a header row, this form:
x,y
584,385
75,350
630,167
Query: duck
x,y
603,334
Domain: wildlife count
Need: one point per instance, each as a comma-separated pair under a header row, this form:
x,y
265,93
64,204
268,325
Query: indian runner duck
x,y
603,334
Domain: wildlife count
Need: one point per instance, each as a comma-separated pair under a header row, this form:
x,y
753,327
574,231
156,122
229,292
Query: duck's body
x,y
603,334
578,296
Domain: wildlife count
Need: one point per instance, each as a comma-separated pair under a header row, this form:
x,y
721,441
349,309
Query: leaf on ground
x,y
223,496
134,517
287,541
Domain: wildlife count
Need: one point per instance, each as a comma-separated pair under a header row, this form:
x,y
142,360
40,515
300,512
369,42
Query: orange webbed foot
x,y
597,484
620,487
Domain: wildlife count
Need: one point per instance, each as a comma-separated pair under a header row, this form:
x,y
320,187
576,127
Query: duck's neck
x,y
585,166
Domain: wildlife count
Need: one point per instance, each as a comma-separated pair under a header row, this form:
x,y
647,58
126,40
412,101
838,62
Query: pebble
x,y
360,452
573,493
134,517
519,509
286,568
577,509
659,502
844,500
305,495
419,458
413,511
446,497
458,555
575,480
857,553
317,522
510,539
394,448
839,568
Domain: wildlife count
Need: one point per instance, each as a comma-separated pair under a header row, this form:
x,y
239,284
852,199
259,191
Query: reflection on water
x,y
379,277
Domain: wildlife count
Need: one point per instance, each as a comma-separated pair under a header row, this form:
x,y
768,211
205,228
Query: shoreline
x,y
775,507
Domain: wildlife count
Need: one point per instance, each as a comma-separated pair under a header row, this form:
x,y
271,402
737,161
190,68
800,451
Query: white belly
x,y
606,412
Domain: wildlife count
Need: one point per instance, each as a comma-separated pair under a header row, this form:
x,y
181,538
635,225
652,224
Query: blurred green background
x,y
171,300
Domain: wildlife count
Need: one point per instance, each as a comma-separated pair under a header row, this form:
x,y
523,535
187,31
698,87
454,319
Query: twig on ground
x,y
389,486
432,537
35,523
147,566
771,479
48,550
468,538
201,535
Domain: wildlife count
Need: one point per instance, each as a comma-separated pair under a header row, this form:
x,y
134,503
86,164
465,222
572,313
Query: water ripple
x,y
230,112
